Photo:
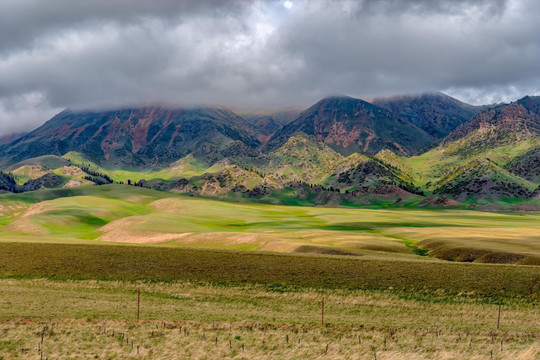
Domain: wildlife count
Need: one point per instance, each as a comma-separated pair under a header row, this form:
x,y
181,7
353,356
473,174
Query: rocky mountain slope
x,y
482,178
266,123
436,113
340,151
526,165
498,126
350,125
140,137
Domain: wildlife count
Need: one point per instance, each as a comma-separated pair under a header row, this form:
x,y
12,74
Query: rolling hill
x,y
526,165
482,178
496,127
503,139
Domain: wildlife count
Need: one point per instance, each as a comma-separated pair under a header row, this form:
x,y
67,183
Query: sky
x,y
251,55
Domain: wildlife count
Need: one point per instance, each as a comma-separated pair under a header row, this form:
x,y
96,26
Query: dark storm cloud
x,y
81,54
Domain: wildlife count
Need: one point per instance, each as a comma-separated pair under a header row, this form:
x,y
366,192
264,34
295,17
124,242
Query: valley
x,y
270,179
125,214
401,213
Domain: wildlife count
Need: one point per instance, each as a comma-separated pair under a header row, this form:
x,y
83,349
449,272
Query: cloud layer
x,y
258,54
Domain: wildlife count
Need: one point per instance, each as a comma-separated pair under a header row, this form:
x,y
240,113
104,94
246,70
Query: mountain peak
x,y
338,97
340,100
146,136
435,112
350,125
504,124
531,103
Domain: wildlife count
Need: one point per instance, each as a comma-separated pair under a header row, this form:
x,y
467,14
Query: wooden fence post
x,y
499,317
322,314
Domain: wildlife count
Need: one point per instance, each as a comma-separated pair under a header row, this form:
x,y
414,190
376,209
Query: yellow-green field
x,y
124,214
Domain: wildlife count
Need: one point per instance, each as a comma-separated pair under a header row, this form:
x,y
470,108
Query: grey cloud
x,y
84,54
430,7
23,22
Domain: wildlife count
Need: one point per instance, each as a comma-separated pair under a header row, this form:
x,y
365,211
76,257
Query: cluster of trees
x,y
330,188
97,180
95,176
7,182
141,183
317,188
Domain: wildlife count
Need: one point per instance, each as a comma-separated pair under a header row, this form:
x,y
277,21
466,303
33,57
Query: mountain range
x,y
416,150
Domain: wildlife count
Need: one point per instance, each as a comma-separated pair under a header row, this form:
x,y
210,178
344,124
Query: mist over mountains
x,y
405,149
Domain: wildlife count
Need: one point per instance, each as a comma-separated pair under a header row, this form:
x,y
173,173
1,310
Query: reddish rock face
x,y
133,137
436,113
500,125
351,125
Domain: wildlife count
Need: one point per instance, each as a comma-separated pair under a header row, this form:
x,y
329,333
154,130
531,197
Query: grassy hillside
x,y
527,165
185,167
303,160
430,166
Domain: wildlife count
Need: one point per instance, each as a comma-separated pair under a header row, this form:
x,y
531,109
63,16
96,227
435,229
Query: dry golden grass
x,y
517,239
423,307
182,320
115,339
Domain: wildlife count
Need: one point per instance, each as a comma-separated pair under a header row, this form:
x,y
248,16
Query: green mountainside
x,y
482,178
526,165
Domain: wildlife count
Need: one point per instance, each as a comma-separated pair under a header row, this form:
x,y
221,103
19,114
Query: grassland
x,y
427,168
96,319
186,167
76,257
116,213
131,263
83,299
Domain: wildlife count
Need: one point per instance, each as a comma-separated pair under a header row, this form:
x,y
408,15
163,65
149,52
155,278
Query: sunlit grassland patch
x,y
185,167
431,165
76,217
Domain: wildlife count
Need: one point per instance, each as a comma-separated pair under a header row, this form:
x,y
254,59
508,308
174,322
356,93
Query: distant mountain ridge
x,y
148,136
341,150
266,123
499,125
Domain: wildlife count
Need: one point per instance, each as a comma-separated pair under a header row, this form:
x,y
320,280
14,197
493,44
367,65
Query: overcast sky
x,y
78,54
